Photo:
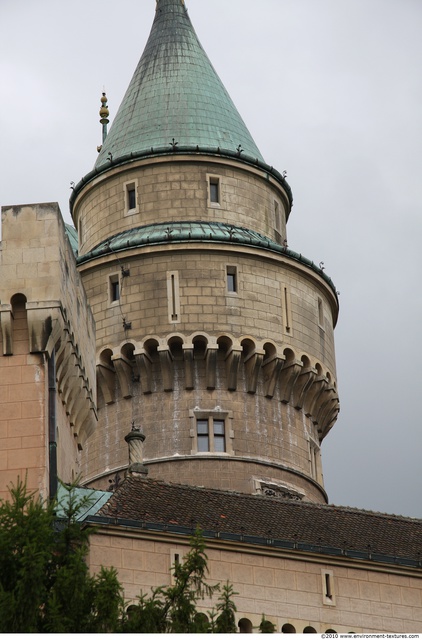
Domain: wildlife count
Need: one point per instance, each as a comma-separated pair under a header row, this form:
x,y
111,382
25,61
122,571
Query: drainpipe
x,y
52,426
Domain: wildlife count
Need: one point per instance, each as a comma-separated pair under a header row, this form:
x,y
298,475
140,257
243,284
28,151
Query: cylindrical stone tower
x,y
212,335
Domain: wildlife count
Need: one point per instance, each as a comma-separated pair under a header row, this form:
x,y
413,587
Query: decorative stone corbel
x,y
319,384
42,318
6,319
167,369
144,364
188,358
302,387
123,368
271,368
288,376
211,365
253,364
232,363
106,382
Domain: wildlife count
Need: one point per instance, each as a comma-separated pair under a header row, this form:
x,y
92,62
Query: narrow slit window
x,y
131,198
328,590
277,218
114,288
232,279
313,462
173,296
287,312
320,313
80,230
214,186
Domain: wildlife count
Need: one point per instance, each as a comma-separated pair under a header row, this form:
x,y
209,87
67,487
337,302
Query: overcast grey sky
x,y
331,91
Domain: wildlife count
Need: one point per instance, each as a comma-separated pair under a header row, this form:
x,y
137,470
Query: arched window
x,y
245,626
309,630
201,623
288,628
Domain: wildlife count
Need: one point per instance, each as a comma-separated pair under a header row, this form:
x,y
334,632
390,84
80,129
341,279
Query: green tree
x,y
45,585
173,609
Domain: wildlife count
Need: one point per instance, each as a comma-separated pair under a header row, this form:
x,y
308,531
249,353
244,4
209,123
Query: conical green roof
x,y
175,94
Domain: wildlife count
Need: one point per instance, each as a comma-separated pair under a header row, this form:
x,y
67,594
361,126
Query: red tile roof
x,y
255,518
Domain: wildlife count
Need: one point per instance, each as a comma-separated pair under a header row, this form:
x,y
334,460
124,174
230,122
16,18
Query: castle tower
x,y
213,337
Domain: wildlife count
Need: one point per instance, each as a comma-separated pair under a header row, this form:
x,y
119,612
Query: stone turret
x,y
212,334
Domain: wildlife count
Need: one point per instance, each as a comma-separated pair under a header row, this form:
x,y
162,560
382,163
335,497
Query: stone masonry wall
x,y
178,189
288,590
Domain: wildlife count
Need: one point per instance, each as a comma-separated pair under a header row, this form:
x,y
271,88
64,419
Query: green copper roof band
x,y
196,231
188,150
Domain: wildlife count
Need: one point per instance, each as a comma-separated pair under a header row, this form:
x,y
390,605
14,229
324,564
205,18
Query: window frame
x,y
129,187
212,418
328,587
113,280
231,277
214,180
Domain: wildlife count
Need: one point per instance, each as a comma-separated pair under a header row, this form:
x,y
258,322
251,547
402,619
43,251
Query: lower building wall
x,y
23,418
288,590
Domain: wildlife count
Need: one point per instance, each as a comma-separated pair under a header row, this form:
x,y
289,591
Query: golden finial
x,y
104,113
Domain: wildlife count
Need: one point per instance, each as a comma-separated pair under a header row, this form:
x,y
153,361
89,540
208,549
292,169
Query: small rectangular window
x,y
131,197
232,279
114,288
214,190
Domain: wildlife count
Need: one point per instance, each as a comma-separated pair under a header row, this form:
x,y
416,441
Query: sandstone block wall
x,y
43,308
174,189
289,591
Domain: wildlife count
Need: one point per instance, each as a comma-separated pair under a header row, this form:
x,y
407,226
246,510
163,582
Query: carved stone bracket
x,y
272,367
106,382
144,364
253,364
6,319
167,371
302,387
42,320
211,365
233,362
123,368
288,376
188,359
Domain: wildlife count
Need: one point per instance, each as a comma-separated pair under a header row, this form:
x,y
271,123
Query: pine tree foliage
x,y
173,609
46,586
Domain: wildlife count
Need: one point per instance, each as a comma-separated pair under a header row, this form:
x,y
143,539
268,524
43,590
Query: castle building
x,y
176,357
